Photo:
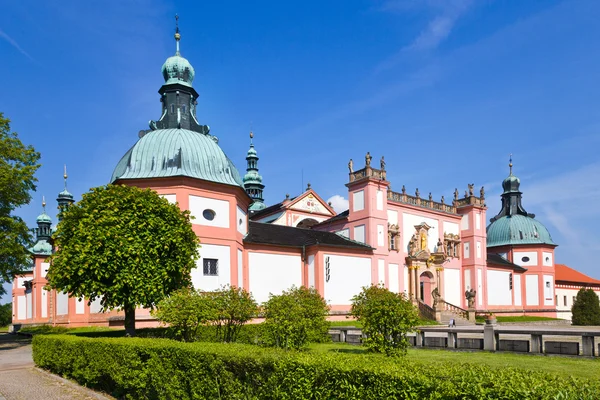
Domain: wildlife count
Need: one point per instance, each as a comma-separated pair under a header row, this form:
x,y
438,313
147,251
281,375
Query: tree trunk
x,y
129,320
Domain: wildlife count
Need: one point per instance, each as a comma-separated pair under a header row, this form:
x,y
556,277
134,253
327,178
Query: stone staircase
x,y
459,320
444,312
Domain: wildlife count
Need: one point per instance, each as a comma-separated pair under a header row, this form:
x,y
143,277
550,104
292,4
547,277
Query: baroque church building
x,y
440,253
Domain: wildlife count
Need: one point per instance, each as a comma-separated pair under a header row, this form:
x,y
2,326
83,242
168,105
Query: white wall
x,y
477,220
380,234
467,250
62,303
311,271
467,282
96,307
171,198
479,288
547,259
240,268
532,290
409,221
29,299
381,271
392,217
517,289
380,199
359,233
452,287
498,290
242,221
548,290
478,249
450,227
464,222
273,273
347,276
79,306
520,258
44,303
21,307
220,207
45,267
358,200
221,253
344,232
394,271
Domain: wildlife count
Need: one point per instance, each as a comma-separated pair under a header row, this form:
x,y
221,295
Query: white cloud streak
x,y
339,203
14,44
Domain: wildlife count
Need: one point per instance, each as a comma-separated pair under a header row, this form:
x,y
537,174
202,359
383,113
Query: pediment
x,y
312,203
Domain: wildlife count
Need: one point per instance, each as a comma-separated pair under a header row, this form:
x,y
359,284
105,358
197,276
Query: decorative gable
x,y
310,202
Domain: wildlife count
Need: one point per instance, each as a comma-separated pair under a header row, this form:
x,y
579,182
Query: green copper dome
x,y
178,70
511,184
42,247
257,206
517,229
43,218
177,152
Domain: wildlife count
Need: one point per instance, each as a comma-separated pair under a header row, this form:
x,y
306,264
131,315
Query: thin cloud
x,y
14,44
446,14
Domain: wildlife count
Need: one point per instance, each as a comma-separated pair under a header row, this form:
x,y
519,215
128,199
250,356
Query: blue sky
x,y
445,89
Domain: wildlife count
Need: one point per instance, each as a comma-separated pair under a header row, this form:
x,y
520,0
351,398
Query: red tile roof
x,y
566,274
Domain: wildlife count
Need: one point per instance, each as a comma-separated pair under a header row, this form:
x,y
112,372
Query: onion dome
x,y
43,232
178,69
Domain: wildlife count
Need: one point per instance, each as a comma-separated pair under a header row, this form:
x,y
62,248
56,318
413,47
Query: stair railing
x,y
454,309
425,310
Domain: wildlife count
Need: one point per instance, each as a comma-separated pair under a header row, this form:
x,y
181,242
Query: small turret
x,y
43,232
252,180
65,199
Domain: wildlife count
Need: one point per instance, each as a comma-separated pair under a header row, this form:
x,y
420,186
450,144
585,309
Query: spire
x,y
177,34
252,180
65,199
511,197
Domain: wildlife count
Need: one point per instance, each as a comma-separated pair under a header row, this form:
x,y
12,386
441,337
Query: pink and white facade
x,y
436,252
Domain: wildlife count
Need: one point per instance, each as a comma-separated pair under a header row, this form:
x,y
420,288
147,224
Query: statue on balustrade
x,y
470,296
351,166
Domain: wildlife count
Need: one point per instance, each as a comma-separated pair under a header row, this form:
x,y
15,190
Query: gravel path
x,y
19,379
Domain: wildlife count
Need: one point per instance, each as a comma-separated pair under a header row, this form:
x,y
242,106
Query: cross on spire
x,y
177,34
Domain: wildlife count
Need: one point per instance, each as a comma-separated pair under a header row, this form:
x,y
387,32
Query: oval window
x,y
208,215
241,221
525,259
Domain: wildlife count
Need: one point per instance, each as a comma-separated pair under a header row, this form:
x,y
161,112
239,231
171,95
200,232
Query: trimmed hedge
x,y
136,368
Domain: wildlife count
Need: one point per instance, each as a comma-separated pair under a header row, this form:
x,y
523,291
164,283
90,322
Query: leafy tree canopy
x,y
5,314
18,164
586,308
128,246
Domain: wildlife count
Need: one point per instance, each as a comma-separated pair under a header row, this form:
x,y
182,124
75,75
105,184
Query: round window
x,y
208,215
525,259
241,222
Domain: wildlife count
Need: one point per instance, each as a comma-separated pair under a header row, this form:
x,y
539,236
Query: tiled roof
x,y
567,274
498,261
266,211
289,236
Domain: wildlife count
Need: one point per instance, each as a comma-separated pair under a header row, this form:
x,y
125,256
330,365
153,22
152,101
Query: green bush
x,y
586,308
386,318
136,368
184,311
233,307
295,318
5,314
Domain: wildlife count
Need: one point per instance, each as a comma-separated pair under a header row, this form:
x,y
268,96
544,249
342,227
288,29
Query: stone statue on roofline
x,y
482,193
351,166
382,163
368,159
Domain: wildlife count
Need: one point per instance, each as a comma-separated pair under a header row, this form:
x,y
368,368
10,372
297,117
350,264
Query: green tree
x,y
5,314
18,164
386,318
295,318
233,307
586,308
125,245
185,310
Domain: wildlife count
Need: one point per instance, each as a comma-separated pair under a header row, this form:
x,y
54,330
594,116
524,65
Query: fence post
x,y
452,339
489,338
537,346
588,345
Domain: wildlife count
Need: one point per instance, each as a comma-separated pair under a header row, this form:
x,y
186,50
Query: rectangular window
x,y
210,267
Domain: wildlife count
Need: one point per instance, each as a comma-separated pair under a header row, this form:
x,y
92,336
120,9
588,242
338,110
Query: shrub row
x,y
136,368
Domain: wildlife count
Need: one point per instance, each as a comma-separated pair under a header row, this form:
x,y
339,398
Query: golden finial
x,y
65,173
44,203
251,135
510,164
177,34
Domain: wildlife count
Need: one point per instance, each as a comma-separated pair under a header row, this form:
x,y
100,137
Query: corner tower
x,y
65,198
252,180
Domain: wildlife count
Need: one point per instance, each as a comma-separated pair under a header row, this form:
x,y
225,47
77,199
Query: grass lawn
x,y
565,366
4,328
521,318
